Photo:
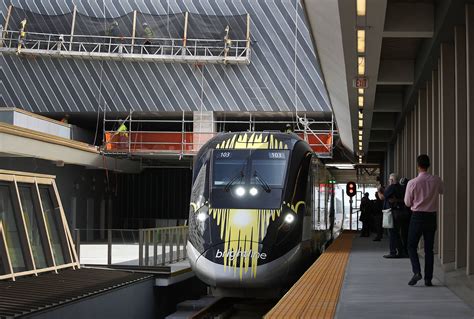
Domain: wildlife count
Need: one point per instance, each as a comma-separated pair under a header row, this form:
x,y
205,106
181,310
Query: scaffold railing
x,y
129,138
175,38
200,51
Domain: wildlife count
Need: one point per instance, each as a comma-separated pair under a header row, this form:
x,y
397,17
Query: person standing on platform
x,y
391,197
365,215
422,197
377,206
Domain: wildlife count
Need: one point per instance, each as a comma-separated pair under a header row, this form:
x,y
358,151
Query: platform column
x,y
429,118
203,124
461,145
422,131
470,136
448,149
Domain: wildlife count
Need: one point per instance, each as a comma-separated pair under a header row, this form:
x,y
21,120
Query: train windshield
x,y
241,175
250,167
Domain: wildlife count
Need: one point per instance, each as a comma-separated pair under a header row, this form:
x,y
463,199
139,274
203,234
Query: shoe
x,y
414,279
428,283
402,256
390,256
377,239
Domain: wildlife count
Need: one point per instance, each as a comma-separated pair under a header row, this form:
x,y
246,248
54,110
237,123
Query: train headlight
x,y
289,218
253,191
201,216
240,191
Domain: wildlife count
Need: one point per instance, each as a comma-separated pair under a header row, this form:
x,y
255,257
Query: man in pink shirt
x,y
422,197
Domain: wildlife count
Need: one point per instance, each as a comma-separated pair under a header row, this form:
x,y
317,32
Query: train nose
x,y
238,269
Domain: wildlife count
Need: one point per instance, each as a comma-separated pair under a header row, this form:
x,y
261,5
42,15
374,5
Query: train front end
x,y
247,213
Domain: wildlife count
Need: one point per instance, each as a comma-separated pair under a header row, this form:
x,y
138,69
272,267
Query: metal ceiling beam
x,y
409,20
396,72
388,102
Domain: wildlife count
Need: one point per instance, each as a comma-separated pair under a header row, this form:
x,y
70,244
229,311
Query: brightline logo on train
x,y
244,254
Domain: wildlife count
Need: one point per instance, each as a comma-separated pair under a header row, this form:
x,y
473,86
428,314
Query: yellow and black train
x,y
251,213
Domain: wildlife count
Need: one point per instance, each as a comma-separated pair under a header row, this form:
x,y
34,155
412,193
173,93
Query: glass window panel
x,y
7,216
52,225
270,171
26,197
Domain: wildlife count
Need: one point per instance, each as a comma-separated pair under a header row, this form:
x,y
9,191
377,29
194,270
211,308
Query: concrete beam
x,y
396,72
380,136
383,121
409,20
326,28
377,147
388,102
19,142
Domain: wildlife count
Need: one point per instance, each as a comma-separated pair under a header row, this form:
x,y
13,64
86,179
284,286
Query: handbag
x,y
387,221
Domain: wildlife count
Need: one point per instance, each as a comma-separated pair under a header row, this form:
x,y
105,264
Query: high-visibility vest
x,y
122,128
148,32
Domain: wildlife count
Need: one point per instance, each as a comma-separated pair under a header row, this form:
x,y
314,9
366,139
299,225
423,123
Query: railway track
x,y
226,307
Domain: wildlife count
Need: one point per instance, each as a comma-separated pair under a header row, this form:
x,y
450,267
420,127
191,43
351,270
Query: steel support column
x,y
448,148
461,145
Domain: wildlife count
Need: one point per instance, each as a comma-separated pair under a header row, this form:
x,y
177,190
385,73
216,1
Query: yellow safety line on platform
x,y
316,293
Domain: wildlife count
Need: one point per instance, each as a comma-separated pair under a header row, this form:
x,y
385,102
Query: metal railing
x,y
161,246
190,138
151,247
177,50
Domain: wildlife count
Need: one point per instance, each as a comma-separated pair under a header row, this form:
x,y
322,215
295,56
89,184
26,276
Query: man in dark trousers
x,y
392,197
422,197
377,206
365,215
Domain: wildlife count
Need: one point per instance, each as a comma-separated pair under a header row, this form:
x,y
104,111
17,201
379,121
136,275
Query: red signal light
x,y
351,189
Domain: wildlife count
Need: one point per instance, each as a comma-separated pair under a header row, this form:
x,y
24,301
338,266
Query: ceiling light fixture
x,y
361,65
360,41
360,91
360,101
361,7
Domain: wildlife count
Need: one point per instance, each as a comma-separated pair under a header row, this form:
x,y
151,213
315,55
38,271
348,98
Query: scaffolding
x,y
220,43
127,138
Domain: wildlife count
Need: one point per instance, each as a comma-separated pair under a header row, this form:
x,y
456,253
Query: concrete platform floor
x,y
375,287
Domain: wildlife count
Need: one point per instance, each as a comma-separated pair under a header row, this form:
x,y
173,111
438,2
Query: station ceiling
x,y
402,39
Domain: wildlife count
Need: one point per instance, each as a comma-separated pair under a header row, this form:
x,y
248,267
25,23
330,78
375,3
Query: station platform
x,y
352,280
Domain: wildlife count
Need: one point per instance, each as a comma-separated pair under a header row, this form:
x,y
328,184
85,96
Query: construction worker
x,y
147,33
60,43
288,129
122,133
22,35
227,41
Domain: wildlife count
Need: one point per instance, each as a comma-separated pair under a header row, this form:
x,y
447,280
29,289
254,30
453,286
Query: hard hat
x,y
144,24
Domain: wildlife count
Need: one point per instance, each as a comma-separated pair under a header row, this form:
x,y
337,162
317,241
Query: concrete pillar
x,y
409,145
405,146
470,136
437,160
204,124
429,118
448,148
422,123
434,138
461,145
